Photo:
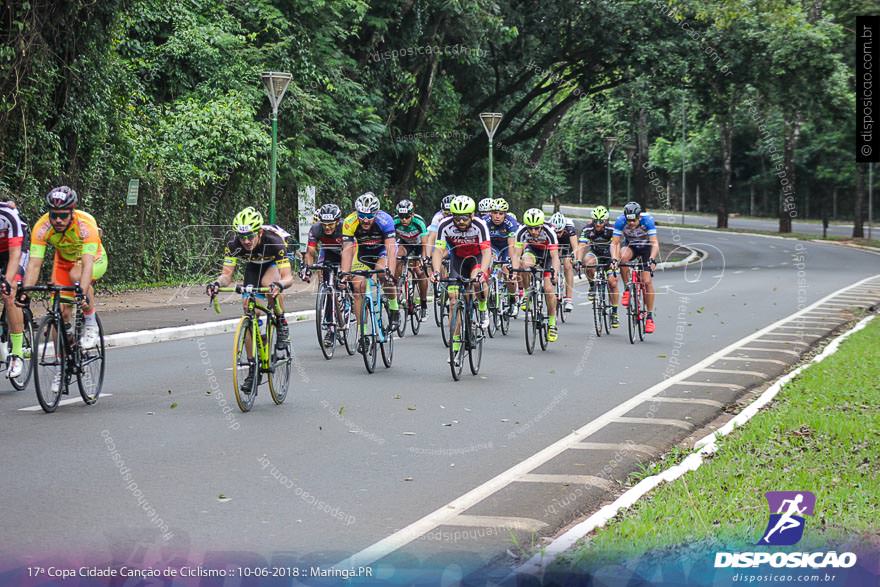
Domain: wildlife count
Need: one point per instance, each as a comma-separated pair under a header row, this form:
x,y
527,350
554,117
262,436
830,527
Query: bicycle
x,y
636,311
379,334
257,355
536,321
334,320
441,307
499,301
410,297
560,288
59,356
601,305
20,382
470,332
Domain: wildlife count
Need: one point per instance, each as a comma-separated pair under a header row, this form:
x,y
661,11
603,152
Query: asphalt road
x,y
351,458
768,224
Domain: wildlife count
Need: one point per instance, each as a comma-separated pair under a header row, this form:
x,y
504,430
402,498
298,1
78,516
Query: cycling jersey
x,y
330,245
499,233
272,249
599,241
469,242
640,235
81,238
540,243
370,241
410,234
565,238
13,229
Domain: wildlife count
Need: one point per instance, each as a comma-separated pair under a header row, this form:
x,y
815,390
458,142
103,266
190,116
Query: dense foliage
x,y
385,96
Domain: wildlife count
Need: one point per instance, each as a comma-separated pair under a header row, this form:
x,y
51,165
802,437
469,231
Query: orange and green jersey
x,y
81,238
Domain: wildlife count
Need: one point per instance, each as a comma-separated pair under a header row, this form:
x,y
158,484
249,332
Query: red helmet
x,y
61,197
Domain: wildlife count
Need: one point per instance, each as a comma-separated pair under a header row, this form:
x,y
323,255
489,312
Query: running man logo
x,y
786,524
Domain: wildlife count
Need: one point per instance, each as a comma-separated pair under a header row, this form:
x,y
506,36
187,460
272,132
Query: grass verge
x,y
821,434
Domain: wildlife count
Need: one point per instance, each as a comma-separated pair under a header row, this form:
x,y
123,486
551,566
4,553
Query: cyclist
x,y
442,213
536,244
641,242
368,242
412,248
264,251
485,206
566,233
79,256
325,242
594,251
502,231
13,259
466,237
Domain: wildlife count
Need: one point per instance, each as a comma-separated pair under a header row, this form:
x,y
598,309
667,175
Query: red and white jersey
x,y
469,242
544,241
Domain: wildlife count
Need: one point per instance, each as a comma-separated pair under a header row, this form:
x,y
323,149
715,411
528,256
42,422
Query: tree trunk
x,y
788,198
726,128
640,179
859,211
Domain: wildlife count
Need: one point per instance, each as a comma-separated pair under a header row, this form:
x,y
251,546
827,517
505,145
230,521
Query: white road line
x,y
789,335
733,386
443,514
473,521
567,480
783,341
735,372
64,402
753,348
619,447
686,400
817,328
654,422
750,359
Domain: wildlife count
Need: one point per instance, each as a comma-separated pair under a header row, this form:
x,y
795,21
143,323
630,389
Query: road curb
x,y
706,446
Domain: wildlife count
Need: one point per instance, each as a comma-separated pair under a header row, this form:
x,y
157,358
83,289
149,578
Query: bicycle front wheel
x,y
368,341
531,328
632,315
27,353
348,323
387,345
90,374
456,356
606,307
50,366
280,361
444,318
324,321
643,316
415,310
598,310
245,375
439,300
475,340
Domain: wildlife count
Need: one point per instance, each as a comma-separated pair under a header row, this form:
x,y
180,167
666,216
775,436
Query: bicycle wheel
x,y
643,315
531,328
474,340
632,315
541,320
560,294
438,291
347,319
598,309
324,321
606,307
280,361
387,345
50,363
27,346
90,373
242,366
492,308
403,303
368,340
456,357
415,311
444,317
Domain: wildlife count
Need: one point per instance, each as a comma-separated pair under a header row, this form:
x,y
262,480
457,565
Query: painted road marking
x,y
686,400
64,402
620,447
752,348
736,372
568,480
655,422
749,359
472,521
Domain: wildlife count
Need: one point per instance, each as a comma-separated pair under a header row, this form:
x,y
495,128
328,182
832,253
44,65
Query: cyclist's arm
x,y
655,248
347,256
309,257
554,259
437,256
573,241
391,252
12,263
615,248
85,278
515,254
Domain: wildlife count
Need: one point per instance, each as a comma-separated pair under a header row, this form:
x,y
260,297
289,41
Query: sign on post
x,y
306,207
134,186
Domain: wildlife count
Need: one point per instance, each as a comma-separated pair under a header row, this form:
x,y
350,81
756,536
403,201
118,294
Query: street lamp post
x,y
491,121
630,150
609,143
276,83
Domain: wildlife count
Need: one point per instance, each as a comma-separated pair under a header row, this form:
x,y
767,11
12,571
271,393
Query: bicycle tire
x,y
415,317
370,342
279,368
349,330
387,346
632,315
402,303
323,308
492,308
643,316
86,358
560,295
27,353
456,358
475,340
597,311
438,301
504,319
541,319
444,318
606,308
46,347
244,400
531,329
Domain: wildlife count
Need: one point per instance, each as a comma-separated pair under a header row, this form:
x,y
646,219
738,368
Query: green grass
x,y
821,434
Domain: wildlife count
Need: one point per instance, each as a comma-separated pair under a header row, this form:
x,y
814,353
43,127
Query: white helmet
x,y
557,220
367,203
486,205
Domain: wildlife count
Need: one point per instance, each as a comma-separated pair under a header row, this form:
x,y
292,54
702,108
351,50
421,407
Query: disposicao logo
x,y
785,528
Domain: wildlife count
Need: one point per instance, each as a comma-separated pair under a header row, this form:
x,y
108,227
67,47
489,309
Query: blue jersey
x,y
638,236
499,233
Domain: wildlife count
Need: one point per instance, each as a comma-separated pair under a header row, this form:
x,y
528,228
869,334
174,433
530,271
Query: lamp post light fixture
x,y
276,83
610,143
630,150
491,121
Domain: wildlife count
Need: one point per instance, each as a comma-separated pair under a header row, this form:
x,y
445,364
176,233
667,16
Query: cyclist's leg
x,y
61,276
590,261
14,314
527,261
422,280
549,288
358,290
569,276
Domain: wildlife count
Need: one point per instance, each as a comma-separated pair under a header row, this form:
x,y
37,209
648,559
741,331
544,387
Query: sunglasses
x,y
631,218
247,236
59,215
461,217
366,216
404,216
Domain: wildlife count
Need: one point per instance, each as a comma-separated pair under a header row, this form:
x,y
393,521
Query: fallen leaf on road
x,y
411,408
396,396
173,405
341,409
661,356
222,498
407,478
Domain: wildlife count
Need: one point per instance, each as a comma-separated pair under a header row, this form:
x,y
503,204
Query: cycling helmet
x,y
600,213
533,217
405,207
446,201
558,221
486,205
462,205
367,203
632,210
501,205
61,197
329,213
248,220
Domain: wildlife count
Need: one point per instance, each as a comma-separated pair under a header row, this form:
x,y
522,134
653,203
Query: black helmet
x,y
61,197
405,207
632,210
446,201
329,213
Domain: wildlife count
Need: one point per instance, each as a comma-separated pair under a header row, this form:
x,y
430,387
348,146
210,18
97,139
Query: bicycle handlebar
x,y
549,270
52,288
